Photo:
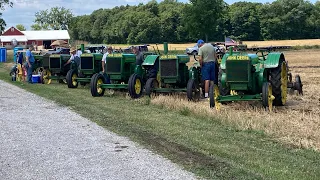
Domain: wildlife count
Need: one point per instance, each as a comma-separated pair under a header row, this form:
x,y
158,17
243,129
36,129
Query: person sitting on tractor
x,y
104,57
139,55
207,60
73,57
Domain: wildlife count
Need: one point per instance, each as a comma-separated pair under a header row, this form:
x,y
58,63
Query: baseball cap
x,y
200,41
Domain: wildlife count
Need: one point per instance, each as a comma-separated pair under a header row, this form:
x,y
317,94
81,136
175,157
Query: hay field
x,y
297,123
301,42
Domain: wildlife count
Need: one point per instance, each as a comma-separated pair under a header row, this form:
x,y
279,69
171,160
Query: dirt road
x,y
41,140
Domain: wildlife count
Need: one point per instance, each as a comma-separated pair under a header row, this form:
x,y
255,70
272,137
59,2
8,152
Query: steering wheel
x,y
264,53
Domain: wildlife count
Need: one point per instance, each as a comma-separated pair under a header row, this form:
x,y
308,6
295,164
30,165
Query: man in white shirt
x,y
73,57
79,52
104,58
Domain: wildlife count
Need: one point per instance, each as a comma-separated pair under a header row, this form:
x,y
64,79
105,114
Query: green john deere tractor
x,y
166,73
252,77
120,68
90,64
53,68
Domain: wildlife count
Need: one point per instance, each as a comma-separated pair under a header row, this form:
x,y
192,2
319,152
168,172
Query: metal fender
x,y
272,60
138,70
150,60
262,77
192,73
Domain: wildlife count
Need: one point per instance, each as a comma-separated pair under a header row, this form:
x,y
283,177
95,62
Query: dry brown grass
x,y
249,44
297,123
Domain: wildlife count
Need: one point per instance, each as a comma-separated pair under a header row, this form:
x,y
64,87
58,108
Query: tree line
x,y
174,22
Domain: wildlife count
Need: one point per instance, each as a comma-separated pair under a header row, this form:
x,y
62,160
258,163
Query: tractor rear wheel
x,y
71,78
267,97
193,90
151,84
213,96
135,86
96,81
279,83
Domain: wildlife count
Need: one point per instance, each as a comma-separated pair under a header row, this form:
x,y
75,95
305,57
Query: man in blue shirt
x,y
29,62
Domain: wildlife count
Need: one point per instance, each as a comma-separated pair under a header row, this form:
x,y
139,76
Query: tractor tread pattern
x,y
275,80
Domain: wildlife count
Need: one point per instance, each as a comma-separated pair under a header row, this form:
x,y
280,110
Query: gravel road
x,y
42,140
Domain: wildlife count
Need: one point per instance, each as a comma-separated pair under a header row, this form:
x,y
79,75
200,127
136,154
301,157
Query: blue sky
x,y
23,11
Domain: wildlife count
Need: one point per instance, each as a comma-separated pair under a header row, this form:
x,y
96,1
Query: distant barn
x,y
37,38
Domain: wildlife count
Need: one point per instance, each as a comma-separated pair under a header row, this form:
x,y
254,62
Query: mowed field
x,y
297,123
303,42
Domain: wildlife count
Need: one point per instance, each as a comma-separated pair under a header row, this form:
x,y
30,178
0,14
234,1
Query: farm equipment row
x,y
263,76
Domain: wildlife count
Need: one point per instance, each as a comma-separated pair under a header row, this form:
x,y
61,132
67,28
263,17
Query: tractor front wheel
x,y
71,78
151,84
45,77
193,90
135,86
267,97
213,96
95,83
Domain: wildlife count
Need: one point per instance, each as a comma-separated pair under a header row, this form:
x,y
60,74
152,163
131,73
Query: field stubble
x,y
297,123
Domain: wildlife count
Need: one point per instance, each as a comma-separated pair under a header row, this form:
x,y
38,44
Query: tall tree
x,y
202,16
3,5
20,27
56,18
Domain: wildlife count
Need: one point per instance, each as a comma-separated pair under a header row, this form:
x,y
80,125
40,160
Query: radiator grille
x,y
55,62
237,70
113,65
86,63
45,61
168,67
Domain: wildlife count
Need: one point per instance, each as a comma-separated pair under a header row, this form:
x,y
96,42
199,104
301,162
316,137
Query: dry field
x,y
302,42
297,123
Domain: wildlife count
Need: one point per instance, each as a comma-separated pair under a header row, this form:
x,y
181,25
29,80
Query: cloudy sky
x,y
23,11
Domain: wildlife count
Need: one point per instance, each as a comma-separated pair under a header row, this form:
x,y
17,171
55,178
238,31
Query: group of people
x,y
26,67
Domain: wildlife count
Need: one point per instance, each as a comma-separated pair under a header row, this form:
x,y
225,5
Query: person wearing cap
x,y
73,57
104,57
29,63
207,59
79,52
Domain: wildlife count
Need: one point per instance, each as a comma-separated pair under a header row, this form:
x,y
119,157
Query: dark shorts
x,y
208,71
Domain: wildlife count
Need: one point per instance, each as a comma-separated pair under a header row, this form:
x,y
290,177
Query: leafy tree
x,y
202,16
3,5
20,27
36,27
57,18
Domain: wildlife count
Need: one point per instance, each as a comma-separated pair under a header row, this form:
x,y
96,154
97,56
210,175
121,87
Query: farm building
x,y
36,38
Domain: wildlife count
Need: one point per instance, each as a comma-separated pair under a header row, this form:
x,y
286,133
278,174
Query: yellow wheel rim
x,y
46,77
284,83
74,82
99,89
137,86
270,97
216,95
159,79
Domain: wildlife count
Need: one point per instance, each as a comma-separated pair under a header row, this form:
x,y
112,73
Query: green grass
x,y
204,146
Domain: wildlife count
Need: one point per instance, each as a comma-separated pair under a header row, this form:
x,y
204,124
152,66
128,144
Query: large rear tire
x,y
71,78
279,83
267,97
97,80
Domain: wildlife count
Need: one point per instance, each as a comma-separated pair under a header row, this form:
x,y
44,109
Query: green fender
x,y
150,60
262,77
138,70
272,60
192,73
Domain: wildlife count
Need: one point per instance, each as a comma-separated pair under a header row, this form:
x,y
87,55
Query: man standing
x,y
79,52
139,55
104,57
29,63
73,57
207,62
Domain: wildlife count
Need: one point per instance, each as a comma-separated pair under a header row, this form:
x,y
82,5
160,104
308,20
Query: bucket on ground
x,y
3,54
